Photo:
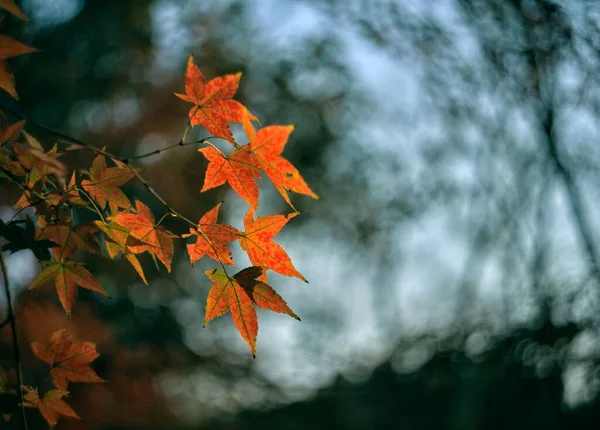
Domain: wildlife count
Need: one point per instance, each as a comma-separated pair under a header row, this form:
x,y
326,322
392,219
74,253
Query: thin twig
x,y
125,161
15,338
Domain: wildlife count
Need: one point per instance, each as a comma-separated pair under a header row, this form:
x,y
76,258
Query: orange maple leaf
x,y
10,133
267,145
66,277
103,185
225,295
212,238
68,360
117,240
40,164
258,244
239,295
9,48
11,7
141,225
252,279
239,169
69,238
51,406
214,107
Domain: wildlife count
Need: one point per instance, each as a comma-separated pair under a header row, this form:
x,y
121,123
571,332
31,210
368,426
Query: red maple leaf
x,y
9,48
103,185
258,243
239,295
214,107
212,238
117,240
239,169
228,295
267,145
141,225
253,280
69,238
68,360
51,406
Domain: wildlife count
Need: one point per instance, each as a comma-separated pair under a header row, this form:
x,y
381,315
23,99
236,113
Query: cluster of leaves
x,y
52,194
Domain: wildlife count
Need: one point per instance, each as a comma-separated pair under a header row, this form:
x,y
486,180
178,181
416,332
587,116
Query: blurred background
x,y
454,256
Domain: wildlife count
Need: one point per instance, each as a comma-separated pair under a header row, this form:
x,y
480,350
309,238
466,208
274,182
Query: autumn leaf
x,y
11,7
212,238
66,277
239,295
68,360
213,104
262,294
7,163
116,239
11,132
40,164
141,226
225,295
238,169
51,406
69,238
267,145
258,244
9,48
103,185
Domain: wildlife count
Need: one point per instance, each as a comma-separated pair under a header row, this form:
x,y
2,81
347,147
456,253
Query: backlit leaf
x,y
116,239
262,294
68,360
212,238
66,277
69,239
213,105
10,47
228,295
11,7
258,243
141,226
51,406
103,185
267,145
239,169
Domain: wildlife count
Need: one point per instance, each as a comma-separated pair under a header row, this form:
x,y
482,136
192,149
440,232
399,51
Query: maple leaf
x,y
11,132
262,294
239,295
212,238
225,295
141,225
9,48
258,244
40,164
66,277
68,360
7,163
239,169
51,406
69,238
103,185
116,239
11,7
267,145
214,106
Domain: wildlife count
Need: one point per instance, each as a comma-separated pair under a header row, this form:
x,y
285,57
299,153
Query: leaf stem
x,y
97,209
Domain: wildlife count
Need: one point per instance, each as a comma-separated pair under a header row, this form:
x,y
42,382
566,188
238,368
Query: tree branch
x,y
15,338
